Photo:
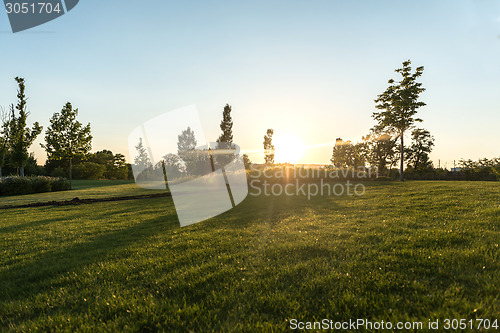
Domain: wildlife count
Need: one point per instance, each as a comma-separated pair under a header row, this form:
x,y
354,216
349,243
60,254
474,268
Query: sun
x,y
288,149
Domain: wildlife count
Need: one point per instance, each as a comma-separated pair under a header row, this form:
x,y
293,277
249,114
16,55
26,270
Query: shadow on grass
x,y
37,276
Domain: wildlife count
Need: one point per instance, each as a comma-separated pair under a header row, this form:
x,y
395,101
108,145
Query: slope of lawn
x,y
401,252
82,189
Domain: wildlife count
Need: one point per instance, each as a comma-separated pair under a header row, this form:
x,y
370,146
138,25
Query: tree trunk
x,y
21,171
0,172
402,178
70,173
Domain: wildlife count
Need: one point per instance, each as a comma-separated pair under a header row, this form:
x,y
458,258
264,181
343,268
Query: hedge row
x,y
29,185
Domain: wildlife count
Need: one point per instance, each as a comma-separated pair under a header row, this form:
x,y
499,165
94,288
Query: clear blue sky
x,y
312,68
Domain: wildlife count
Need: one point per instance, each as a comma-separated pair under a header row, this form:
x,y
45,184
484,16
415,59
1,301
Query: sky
x,y
308,69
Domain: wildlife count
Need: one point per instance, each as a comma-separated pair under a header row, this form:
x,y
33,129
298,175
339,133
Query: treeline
x,y
67,144
384,148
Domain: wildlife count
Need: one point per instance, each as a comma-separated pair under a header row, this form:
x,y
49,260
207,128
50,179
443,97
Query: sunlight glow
x,y
289,149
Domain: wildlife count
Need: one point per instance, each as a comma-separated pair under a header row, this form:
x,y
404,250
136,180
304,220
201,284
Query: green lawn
x,y
401,252
83,189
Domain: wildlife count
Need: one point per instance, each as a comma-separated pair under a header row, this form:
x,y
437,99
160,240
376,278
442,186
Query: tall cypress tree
x,y
226,125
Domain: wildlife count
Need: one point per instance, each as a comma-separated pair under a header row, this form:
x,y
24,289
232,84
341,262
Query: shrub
x,y
59,173
41,184
383,179
60,184
16,186
89,170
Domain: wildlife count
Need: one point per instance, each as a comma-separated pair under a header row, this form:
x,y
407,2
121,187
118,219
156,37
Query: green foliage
x,y
381,150
417,154
59,172
383,179
10,186
89,170
247,162
225,140
482,169
174,167
66,138
269,147
197,162
5,127
345,154
399,104
20,136
142,160
16,186
115,166
60,184
226,126
41,184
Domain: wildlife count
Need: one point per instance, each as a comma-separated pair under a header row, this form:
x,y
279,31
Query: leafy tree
x,y
399,104
5,119
142,158
186,142
186,150
66,138
345,154
246,161
115,165
269,147
104,157
173,166
421,147
381,150
21,137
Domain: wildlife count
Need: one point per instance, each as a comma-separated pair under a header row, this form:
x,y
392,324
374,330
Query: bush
x,y
89,170
383,179
41,184
60,184
28,185
16,186
59,173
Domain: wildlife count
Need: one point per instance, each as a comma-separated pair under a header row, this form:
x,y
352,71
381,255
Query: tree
x,y
247,162
141,160
197,162
345,154
5,126
173,166
21,137
225,140
399,104
226,125
381,150
66,138
269,147
115,165
186,145
421,147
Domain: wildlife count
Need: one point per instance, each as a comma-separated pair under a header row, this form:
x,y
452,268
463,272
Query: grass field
x,y
82,189
409,251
